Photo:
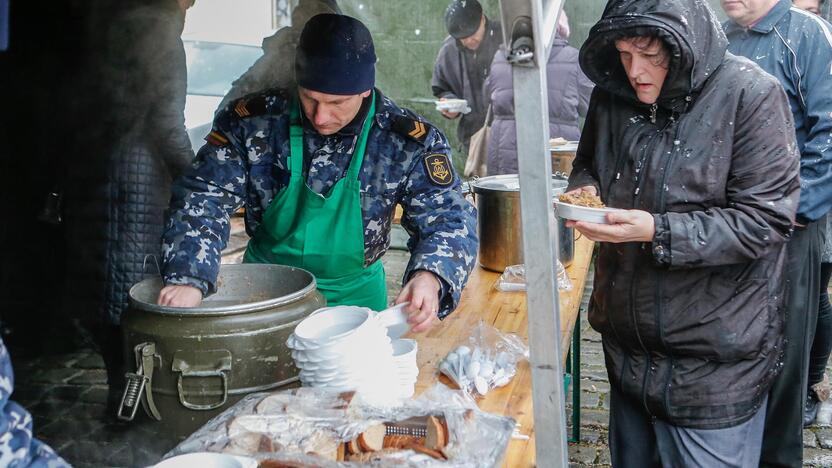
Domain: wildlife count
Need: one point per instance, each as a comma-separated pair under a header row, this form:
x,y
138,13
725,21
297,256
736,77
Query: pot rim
x,y
247,307
476,187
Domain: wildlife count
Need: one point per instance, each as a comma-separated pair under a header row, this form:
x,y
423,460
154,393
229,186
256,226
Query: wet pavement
x,y
66,394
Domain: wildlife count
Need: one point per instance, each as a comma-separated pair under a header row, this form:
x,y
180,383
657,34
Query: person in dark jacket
x,y
812,6
795,47
695,145
115,204
568,91
463,64
275,68
818,385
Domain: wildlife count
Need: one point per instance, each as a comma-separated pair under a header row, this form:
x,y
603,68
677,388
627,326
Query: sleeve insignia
x,y
439,170
413,129
216,138
250,106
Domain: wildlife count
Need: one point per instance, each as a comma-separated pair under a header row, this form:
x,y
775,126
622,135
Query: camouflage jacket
x,y
18,448
407,162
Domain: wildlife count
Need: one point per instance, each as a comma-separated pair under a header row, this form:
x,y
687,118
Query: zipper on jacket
x,y
641,164
659,207
654,109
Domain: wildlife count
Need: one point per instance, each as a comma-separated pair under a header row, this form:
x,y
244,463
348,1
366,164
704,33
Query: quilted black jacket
x,y
115,198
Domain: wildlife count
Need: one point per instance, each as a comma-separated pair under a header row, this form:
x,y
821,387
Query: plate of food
x,y
583,206
453,105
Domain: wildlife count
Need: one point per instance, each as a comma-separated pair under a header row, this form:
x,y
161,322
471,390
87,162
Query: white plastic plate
x,y
583,213
207,460
452,105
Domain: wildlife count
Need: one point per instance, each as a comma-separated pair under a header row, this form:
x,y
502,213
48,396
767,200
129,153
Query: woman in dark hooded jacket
x,y
696,146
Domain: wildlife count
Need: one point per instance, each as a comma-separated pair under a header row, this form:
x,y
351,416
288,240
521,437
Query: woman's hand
x,y
624,226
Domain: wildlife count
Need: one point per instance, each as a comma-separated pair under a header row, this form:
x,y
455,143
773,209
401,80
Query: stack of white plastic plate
x,y
347,348
407,371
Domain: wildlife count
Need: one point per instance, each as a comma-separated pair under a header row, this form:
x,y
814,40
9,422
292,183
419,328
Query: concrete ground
x,y
66,394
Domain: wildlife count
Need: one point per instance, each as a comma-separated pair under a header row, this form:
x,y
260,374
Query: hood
x,y
689,28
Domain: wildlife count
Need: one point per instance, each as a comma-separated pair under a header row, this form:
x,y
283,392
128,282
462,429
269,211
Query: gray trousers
x,y
783,437
637,440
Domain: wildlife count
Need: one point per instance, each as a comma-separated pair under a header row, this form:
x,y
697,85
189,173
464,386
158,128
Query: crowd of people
x,y
714,140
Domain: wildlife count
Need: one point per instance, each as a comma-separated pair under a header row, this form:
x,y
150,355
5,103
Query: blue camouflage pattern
x,y
18,448
248,166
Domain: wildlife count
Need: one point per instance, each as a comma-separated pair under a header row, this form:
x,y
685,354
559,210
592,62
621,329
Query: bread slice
x,y
418,448
437,433
352,447
247,443
399,441
372,440
327,447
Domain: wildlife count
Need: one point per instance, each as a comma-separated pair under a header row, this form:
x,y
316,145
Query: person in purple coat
x,y
568,90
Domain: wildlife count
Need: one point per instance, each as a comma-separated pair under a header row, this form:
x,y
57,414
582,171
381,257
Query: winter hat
x,y
462,18
335,56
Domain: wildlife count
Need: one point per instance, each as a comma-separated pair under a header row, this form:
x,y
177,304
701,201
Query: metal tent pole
x,y
529,26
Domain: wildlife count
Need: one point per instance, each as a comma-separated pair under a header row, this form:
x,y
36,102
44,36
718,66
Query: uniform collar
x,y
766,24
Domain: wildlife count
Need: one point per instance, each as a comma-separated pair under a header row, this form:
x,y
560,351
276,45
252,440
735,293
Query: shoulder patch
x,y
216,138
439,170
250,106
414,129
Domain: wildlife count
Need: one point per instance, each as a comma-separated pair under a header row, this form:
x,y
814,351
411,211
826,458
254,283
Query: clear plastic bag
x,y
514,279
486,360
315,427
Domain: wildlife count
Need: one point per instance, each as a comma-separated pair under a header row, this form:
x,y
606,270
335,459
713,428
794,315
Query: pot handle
x,y
139,385
155,262
467,189
212,363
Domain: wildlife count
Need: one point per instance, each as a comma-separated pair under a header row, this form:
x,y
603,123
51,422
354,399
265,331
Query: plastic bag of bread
x,y
316,427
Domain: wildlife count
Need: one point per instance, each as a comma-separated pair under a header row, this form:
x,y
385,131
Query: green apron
x,y
323,234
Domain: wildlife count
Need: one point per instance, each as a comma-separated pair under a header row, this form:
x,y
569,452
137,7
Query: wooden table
x,y
507,312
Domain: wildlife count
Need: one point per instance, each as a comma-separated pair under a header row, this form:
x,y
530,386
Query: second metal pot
x,y
499,225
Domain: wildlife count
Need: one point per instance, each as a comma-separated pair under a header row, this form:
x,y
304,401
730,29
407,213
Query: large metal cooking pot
x,y
186,365
499,225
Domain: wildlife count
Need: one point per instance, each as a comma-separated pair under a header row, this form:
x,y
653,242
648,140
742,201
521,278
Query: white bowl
x,y
207,460
583,213
395,320
404,352
332,323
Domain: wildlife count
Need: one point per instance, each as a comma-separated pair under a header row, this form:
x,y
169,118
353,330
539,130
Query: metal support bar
x,y
540,245
576,379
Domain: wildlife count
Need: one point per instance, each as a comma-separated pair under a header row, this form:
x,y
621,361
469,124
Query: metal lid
x,y
510,183
241,288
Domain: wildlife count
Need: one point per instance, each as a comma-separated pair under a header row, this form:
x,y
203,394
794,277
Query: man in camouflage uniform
x,y
320,170
18,448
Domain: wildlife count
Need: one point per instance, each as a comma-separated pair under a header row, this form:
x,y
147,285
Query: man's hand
x,y
446,114
180,296
423,293
625,226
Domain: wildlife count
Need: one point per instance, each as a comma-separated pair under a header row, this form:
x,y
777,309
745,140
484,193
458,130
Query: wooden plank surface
x,y
505,311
